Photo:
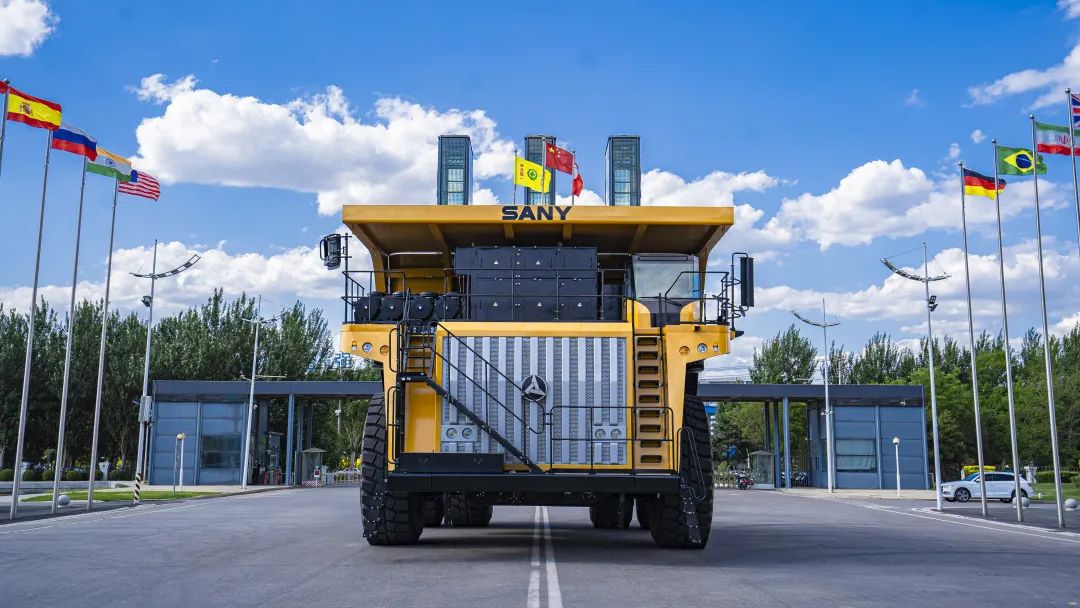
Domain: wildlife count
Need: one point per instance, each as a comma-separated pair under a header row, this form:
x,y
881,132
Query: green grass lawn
x,y
109,496
1068,490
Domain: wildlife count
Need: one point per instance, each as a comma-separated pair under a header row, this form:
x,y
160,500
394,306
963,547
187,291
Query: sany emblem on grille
x,y
534,388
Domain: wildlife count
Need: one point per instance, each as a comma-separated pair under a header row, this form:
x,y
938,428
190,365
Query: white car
x,y
998,485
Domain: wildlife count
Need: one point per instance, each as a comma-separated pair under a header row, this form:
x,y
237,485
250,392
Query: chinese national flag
x,y
578,185
560,159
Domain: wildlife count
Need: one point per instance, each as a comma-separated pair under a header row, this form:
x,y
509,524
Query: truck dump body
x,y
538,355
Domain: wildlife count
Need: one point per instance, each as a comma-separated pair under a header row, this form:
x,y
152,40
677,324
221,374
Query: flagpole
x,y
24,400
101,353
57,467
1072,157
971,336
543,171
3,122
1008,348
1046,341
572,197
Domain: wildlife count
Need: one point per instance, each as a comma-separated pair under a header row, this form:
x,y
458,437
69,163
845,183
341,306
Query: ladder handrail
x,y
435,356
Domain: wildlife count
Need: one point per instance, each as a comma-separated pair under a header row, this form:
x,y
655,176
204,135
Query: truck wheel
x,y
467,511
612,511
668,524
642,507
433,511
390,518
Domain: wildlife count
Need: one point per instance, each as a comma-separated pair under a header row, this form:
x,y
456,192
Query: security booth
x,y
311,463
866,418
213,417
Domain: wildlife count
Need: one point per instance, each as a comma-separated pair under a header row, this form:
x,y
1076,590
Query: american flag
x,y
1075,101
141,184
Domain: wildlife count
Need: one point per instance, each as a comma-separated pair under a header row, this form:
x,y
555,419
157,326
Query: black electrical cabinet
x,y
529,283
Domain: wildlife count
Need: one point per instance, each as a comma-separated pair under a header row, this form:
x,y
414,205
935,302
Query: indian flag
x,y
1054,139
110,165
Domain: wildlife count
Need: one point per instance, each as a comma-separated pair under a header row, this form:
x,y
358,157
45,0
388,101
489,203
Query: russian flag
x,y
70,139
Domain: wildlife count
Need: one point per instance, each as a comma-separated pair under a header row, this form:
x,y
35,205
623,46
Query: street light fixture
x,y
896,444
829,460
931,305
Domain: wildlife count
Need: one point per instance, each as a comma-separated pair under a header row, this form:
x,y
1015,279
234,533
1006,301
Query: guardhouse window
x,y
856,456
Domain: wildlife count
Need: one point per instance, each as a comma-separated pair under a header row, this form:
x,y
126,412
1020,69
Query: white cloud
x,y
1071,8
978,136
24,25
1050,83
896,299
312,144
887,199
282,277
954,151
717,188
913,100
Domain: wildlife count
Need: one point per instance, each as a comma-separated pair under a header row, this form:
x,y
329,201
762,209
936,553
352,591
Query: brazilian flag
x,y
1019,161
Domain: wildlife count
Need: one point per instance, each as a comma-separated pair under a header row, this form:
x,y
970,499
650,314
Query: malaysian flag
x,y
141,184
1074,100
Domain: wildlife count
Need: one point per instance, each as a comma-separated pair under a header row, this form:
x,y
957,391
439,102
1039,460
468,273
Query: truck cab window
x,y
672,276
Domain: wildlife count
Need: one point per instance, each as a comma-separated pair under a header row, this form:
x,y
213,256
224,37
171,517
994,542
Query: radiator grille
x,y
586,397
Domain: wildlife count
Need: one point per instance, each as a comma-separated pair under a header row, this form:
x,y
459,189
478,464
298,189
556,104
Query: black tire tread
x,y
390,518
668,525
467,511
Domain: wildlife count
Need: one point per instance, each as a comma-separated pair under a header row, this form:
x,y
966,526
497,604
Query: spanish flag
x,y
978,184
30,110
531,175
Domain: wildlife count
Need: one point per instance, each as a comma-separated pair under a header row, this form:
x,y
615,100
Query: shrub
x,y
120,475
1069,476
48,475
7,475
1044,476
31,475
74,476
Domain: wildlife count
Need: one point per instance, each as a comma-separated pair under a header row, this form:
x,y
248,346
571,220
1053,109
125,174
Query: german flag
x,y
978,184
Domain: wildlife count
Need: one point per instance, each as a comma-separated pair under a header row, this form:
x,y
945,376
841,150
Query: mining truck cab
x,y
537,355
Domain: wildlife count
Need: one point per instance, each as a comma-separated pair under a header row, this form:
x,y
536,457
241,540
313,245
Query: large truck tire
x,y
612,511
467,511
668,523
390,518
433,511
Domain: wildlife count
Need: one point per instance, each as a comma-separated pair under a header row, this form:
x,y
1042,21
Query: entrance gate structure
x,y
866,417
213,415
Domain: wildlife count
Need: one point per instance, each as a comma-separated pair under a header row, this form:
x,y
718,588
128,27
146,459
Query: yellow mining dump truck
x,y
538,355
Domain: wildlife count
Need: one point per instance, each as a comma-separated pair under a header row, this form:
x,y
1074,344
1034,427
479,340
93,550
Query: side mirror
x,y
746,281
330,251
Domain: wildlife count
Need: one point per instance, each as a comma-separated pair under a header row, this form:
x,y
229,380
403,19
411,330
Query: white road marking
x,y
143,509
554,594
534,574
542,528
1028,531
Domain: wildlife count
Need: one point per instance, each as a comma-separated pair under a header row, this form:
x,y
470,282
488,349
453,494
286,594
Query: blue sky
x,y
835,131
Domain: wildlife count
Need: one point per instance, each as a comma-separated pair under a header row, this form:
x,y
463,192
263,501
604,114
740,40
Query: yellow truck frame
x,y
664,467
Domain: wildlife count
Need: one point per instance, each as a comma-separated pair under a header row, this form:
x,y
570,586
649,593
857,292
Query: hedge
x,y
75,476
48,475
7,475
1048,476
31,475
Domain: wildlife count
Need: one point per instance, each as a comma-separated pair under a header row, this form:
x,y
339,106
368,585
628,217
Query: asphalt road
x,y
304,548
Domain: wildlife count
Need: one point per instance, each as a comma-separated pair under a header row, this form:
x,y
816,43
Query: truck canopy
x,y
414,234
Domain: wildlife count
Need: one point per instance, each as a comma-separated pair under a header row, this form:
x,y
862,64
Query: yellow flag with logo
x,y
531,175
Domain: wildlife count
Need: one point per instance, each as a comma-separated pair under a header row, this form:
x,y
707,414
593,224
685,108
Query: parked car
x,y
999,485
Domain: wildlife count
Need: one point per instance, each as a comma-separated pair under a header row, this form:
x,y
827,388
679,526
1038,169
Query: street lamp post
x,y
145,402
931,305
829,459
896,444
251,394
